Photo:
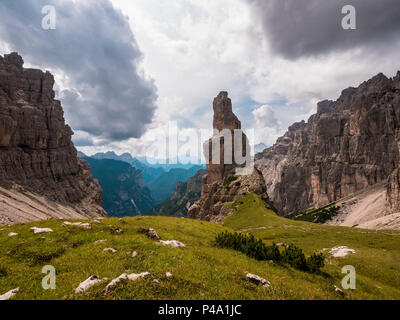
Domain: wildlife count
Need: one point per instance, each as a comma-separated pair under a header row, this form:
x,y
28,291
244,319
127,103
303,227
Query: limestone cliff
x,y
350,144
37,157
226,152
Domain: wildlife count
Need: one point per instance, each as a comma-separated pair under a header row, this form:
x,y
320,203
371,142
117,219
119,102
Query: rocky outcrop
x,y
350,144
36,151
224,183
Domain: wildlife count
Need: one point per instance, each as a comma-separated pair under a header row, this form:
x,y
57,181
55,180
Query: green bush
x,y
3,271
295,257
229,180
315,262
257,249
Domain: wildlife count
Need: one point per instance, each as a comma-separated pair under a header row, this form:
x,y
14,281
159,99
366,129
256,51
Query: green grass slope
x,y
200,270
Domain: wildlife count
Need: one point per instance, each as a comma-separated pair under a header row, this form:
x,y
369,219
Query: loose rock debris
x,y
88,283
37,230
78,224
173,243
9,295
124,276
111,250
152,234
258,280
340,252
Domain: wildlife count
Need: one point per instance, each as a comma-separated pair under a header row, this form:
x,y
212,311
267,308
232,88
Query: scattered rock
x,y
150,233
339,291
78,224
258,280
340,252
169,275
156,281
100,241
111,250
41,230
134,254
173,243
12,234
282,245
9,295
96,221
88,283
117,231
124,276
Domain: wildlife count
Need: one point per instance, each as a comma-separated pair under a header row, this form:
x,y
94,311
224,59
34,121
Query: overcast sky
x,y
126,68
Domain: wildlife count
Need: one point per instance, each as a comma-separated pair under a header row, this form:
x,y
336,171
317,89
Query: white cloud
x,y
195,48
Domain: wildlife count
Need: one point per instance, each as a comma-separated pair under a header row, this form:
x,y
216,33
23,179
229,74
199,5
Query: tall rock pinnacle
x,y
224,118
227,154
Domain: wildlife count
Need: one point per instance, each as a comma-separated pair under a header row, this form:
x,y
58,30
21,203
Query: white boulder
x,y
124,276
78,224
37,230
340,252
258,280
9,295
88,283
173,243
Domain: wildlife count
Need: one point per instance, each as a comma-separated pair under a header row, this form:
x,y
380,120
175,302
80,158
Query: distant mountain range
x,y
132,186
259,148
124,190
183,197
164,185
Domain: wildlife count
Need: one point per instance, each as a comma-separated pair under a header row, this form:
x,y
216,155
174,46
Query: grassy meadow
x,y
200,270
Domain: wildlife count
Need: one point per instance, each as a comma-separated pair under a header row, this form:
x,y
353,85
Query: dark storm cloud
x,y
297,28
94,47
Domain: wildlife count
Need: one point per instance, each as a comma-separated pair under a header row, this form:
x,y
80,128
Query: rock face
x,y
222,162
36,151
222,186
348,145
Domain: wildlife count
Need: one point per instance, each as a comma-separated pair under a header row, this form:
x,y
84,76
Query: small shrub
x,y
295,257
229,180
257,249
315,262
3,271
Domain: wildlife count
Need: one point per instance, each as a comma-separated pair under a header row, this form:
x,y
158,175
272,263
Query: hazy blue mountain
x,y
81,155
111,155
259,148
182,198
124,190
163,186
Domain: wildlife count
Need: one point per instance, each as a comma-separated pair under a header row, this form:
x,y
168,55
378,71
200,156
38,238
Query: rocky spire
x,y
224,118
221,185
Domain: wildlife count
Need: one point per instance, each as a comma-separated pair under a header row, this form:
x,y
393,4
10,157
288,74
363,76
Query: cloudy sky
x,y
124,69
